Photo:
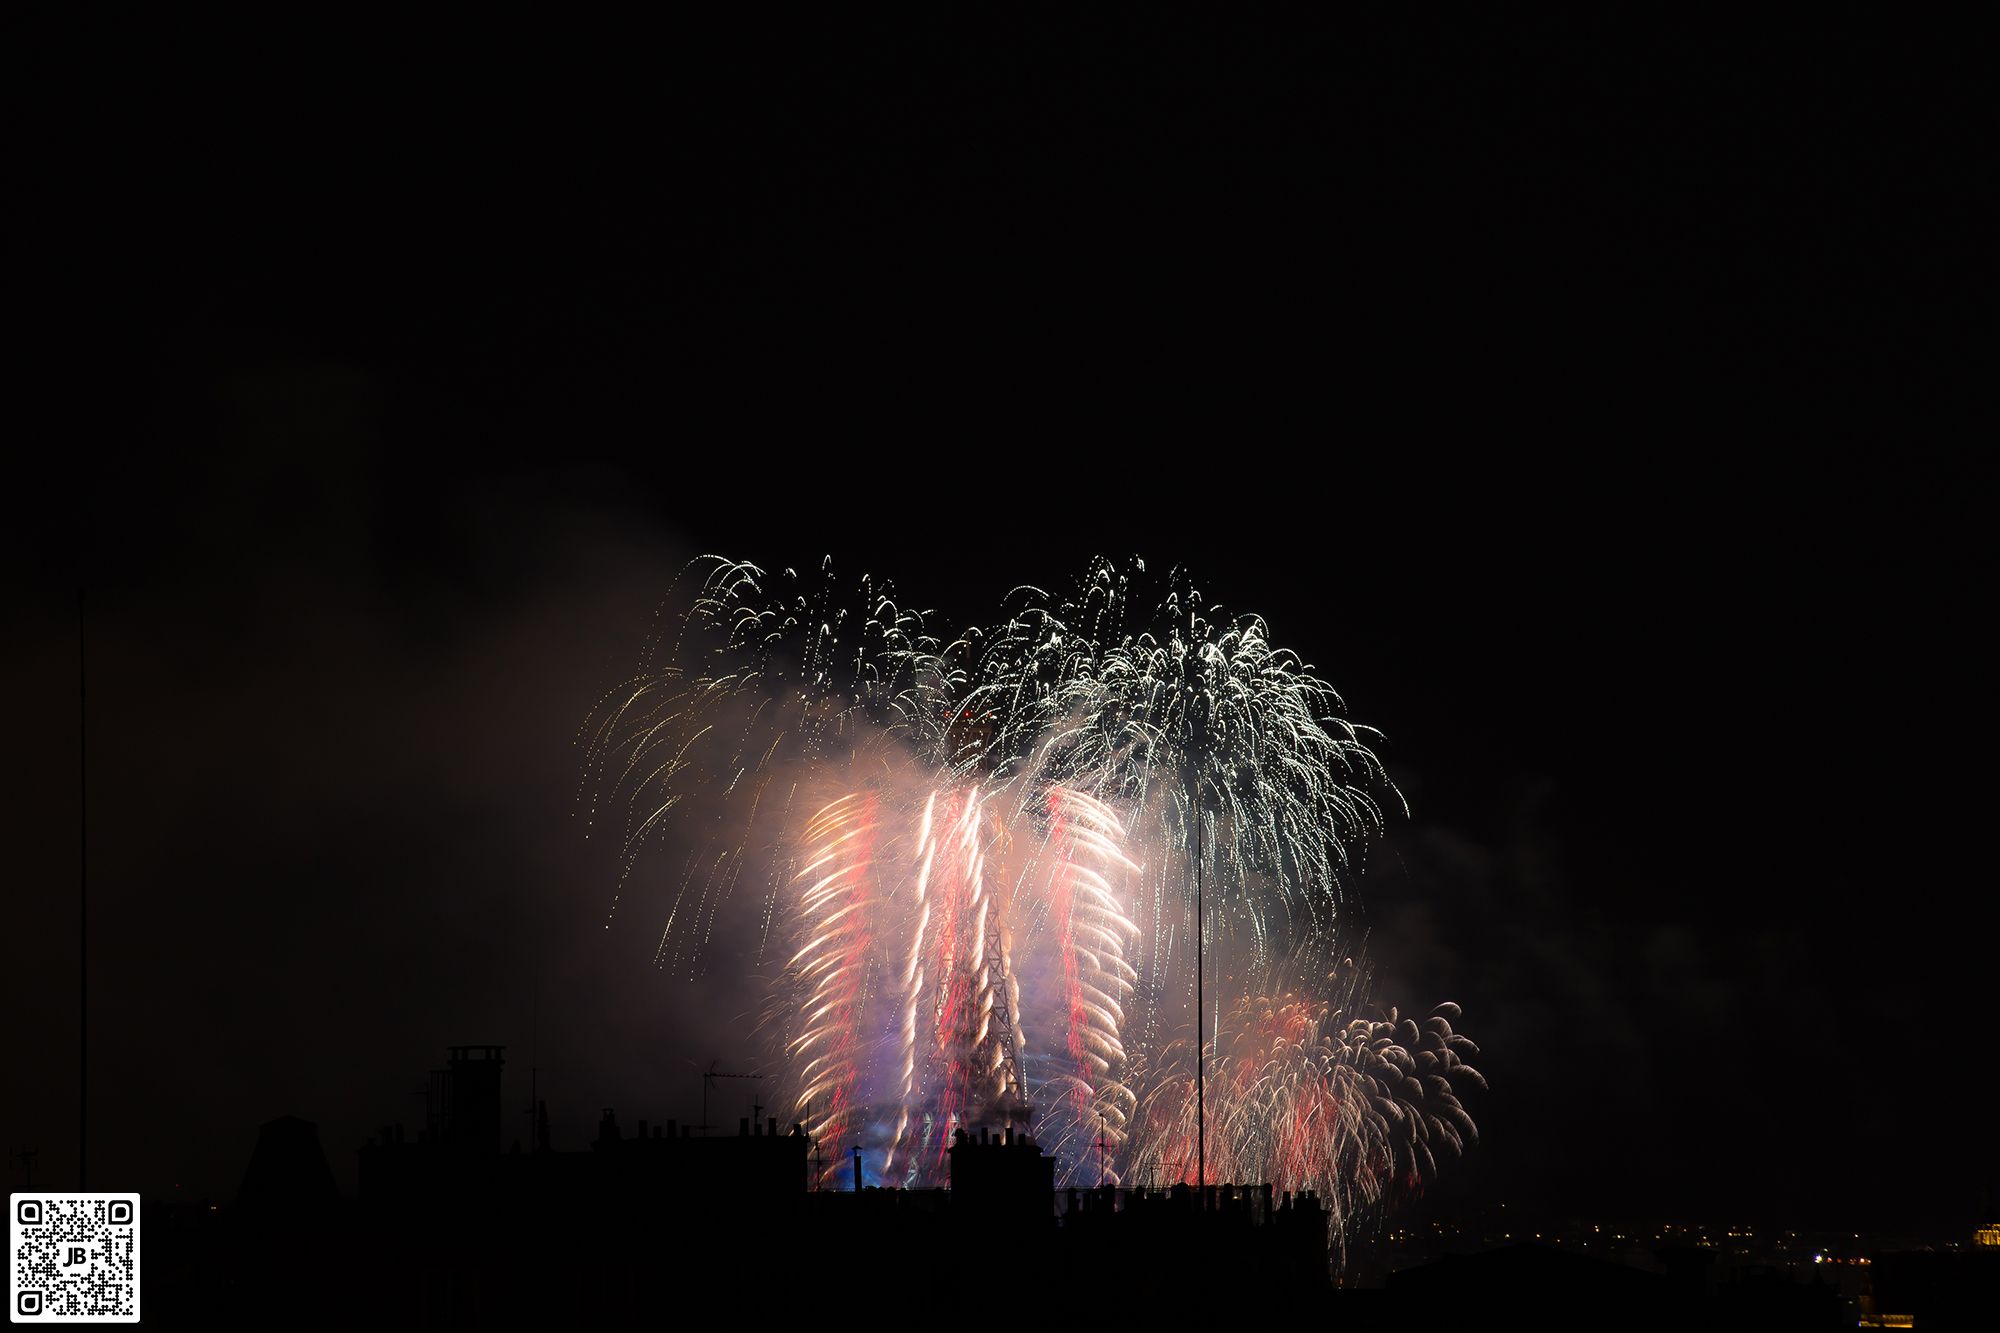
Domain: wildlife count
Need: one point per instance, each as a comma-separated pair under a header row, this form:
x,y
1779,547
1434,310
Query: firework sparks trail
x,y
1088,1099
943,1020
992,908
840,898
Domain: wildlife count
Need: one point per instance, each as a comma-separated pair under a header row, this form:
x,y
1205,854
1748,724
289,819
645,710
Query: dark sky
x,y
1582,400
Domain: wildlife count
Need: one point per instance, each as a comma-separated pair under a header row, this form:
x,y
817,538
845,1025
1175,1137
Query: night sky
x,y
1583,401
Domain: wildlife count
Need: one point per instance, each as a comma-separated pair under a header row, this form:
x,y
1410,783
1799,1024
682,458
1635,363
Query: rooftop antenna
x,y
819,1166
707,1081
535,1102
1100,1150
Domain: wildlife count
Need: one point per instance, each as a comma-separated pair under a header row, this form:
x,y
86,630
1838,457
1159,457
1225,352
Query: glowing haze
x,y
970,869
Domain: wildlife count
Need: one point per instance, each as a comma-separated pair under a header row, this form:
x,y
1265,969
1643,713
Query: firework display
x,y
1302,1094
970,866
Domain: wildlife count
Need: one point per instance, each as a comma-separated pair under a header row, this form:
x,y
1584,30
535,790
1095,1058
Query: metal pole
x,y
82,914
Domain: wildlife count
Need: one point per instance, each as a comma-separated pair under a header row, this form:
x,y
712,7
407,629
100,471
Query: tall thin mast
x,y
82,910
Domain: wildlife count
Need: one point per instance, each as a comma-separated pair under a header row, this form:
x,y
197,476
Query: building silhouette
x,y
651,1212
653,1221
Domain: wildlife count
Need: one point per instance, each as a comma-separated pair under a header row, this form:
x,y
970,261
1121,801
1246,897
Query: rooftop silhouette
x,y
652,1219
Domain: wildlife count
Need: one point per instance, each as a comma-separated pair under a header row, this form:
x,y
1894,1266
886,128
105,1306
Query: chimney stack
x,y
468,1098
743,1128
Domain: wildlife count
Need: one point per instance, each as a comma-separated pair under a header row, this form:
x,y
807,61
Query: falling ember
x,y
970,866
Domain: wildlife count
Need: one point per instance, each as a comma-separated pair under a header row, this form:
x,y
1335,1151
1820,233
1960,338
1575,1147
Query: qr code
x,y
73,1258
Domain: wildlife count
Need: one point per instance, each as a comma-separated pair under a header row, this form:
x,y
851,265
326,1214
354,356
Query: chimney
x,y
642,1129
773,1131
471,1098
857,1170
656,1131
743,1128
673,1129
